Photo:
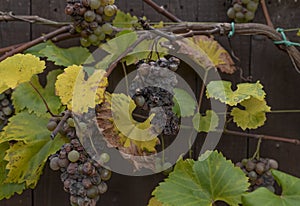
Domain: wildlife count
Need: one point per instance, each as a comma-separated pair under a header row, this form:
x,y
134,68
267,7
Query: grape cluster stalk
x,y
92,19
152,88
259,172
6,107
83,178
243,10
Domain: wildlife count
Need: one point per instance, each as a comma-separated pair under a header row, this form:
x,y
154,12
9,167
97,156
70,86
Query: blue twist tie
x,y
231,33
285,41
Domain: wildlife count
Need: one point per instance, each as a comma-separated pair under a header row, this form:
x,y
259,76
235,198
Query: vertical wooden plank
x,y
186,10
14,32
275,71
10,34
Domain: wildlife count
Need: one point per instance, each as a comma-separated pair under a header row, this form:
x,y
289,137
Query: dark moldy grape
x,y
6,107
82,178
89,15
259,172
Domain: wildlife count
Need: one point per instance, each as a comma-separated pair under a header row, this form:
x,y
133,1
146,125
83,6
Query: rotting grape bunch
x,y
243,10
92,19
6,107
82,177
153,88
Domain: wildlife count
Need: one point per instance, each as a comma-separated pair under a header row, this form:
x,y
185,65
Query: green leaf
x,y
35,50
115,48
221,90
298,33
27,157
32,100
123,20
290,195
7,189
185,104
66,57
203,182
18,69
206,123
254,114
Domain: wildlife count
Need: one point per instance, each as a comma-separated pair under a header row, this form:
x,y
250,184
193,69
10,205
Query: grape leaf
x,y
184,103
79,93
290,195
35,50
124,20
217,54
122,107
18,69
154,202
203,182
66,57
7,189
221,90
32,101
206,123
254,114
27,157
115,48
298,33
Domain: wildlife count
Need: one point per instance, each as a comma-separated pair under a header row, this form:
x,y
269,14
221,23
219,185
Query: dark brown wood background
x,y
259,57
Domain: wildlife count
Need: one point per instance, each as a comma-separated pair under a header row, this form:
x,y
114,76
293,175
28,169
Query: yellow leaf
x,y
79,93
154,202
18,69
217,54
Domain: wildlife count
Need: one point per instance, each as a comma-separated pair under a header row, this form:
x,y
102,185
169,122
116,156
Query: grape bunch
x,y
258,172
92,19
82,177
6,107
153,88
243,10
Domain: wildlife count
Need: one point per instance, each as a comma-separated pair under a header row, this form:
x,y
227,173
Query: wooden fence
x,y
259,58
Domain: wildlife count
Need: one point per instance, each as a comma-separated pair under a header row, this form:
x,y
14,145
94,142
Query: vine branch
x,y
162,10
266,13
9,16
261,136
61,124
36,41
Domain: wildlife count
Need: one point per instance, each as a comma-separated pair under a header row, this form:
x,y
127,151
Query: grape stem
x,y
202,90
162,10
9,16
36,41
263,137
256,153
61,124
266,13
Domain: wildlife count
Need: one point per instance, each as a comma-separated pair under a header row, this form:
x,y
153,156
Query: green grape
x,y
51,125
101,36
93,38
5,102
239,16
102,187
111,2
95,4
252,6
109,10
245,1
89,16
73,156
271,188
107,28
105,174
231,13
104,2
107,18
98,31
84,42
104,158
54,164
7,110
139,101
78,28
71,122
92,192
237,7
252,175
96,43
249,15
